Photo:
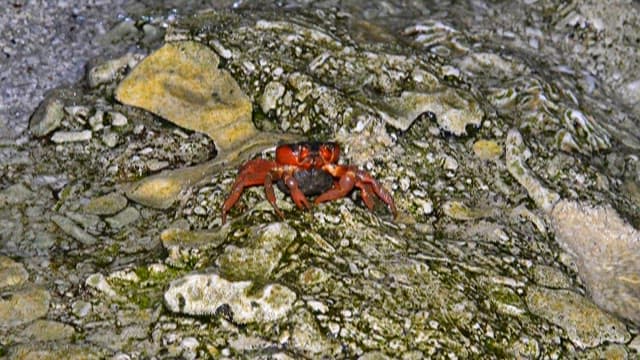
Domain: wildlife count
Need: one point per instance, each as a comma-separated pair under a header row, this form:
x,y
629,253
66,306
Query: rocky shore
x,y
510,150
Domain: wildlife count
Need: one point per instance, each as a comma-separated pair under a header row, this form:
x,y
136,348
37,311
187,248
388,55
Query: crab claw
x,y
351,177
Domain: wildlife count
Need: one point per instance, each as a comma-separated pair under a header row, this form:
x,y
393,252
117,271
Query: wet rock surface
x,y
584,323
513,171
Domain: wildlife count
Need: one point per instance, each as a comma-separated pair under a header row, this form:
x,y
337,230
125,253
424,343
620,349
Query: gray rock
x,y
80,308
265,246
15,194
374,355
606,250
516,156
123,218
99,282
151,34
208,294
249,343
272,93
307,338
459,211
89,222
453,111
70,228
109,70
635,344
189,347
47,117
56,351
155,165
550,277
585,324
188,239
115,340
97,121
110,139
11,273
78,112
23,304
117,119
46,330
107,204
71,136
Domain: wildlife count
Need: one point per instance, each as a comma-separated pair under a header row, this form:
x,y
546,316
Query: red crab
x,y
306,168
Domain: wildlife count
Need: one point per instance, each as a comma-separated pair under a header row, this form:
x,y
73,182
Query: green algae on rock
x,y
181,82
208,294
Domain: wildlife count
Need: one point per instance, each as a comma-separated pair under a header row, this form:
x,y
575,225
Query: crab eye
x,y
303,153
330,152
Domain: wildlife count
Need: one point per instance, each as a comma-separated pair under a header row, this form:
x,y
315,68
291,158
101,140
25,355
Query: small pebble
x,y
123,218
81,308
117,119
110,139
71,136
96,121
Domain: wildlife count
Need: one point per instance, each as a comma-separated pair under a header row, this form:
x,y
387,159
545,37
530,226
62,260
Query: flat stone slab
x,y
181,82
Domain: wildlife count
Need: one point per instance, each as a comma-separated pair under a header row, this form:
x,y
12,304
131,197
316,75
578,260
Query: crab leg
x,y
350,177
296,194
286,174
365,194
252,173
339,190
271,196
365,182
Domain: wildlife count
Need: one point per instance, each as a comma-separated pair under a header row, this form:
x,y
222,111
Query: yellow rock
x,y
181,82
459,211
158,192
487,149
